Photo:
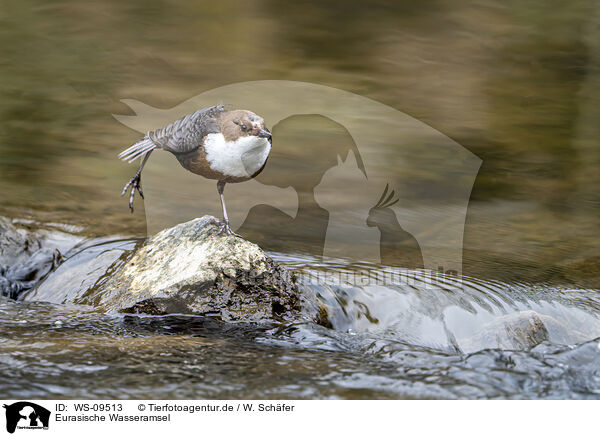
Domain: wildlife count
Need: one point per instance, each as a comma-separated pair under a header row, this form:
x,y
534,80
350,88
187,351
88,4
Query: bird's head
x,y
381,213
240,123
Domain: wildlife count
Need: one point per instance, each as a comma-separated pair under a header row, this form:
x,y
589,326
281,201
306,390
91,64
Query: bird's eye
x,y
243,126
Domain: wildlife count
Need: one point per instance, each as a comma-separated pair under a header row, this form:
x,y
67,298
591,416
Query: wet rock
x,y
23,261
516,331
189,268
16,245
85,271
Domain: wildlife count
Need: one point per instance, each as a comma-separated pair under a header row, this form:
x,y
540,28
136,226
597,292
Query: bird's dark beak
x,y
264,134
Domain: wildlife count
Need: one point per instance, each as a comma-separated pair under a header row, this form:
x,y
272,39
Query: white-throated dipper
x,y
230,146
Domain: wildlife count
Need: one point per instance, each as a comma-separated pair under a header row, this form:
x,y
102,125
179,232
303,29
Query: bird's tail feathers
x,y
137,150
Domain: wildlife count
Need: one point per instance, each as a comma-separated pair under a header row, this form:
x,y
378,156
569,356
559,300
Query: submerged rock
x,y
515,331
16,245
189,268
23,261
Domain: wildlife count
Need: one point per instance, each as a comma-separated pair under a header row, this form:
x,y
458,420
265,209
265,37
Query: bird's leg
x,y
225,223
136,182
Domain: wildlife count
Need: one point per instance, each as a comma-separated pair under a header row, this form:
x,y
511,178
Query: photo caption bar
x,y
152,417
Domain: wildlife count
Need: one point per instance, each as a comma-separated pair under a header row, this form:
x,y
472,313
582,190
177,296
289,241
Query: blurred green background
x,y
516,83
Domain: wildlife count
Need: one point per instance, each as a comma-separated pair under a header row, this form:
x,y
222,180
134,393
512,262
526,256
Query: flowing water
x,y
514,88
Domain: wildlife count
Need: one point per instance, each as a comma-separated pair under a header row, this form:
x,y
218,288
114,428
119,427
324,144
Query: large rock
x,y
189,268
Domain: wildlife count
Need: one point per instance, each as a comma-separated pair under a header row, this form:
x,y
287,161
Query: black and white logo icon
x,y
26,415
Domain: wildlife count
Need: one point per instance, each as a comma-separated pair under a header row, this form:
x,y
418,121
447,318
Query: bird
x,y
396,245
230,146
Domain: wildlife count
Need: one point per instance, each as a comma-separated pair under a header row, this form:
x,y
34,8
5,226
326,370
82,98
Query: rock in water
x,y
515,331
189,268
23,261
16,245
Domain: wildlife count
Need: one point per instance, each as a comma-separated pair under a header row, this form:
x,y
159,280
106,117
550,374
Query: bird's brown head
x,y
240,123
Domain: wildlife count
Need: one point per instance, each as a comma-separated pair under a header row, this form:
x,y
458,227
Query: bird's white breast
x,y
240,158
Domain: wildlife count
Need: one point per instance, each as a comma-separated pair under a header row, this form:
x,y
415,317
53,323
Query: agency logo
x,y
24,415
347,177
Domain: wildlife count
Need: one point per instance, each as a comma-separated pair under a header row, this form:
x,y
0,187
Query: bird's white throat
x,y
240,158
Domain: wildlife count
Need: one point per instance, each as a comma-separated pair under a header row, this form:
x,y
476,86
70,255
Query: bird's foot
x,y
224,228
136,184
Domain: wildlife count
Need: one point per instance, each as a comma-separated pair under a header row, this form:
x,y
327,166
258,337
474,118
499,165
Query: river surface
x,y
496,169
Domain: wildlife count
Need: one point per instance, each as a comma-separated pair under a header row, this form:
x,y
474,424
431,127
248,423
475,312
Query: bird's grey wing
x,y
186,134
